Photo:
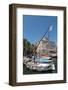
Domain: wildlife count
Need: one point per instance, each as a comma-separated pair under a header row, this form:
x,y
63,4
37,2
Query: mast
x,y
48,30
43,36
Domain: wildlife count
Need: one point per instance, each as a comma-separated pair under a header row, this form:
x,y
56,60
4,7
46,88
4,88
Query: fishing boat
x,y
42,61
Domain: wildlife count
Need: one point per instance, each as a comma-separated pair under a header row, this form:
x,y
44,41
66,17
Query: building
x,y
46,47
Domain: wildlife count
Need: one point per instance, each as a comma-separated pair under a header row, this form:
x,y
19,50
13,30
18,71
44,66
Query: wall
x,y
4,44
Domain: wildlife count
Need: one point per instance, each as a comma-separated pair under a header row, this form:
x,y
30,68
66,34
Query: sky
x,y
34,27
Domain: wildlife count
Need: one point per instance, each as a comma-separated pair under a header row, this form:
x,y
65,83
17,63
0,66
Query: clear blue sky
x,y
36,26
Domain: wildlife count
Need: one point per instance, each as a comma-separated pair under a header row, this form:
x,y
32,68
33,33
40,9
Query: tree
x,y
27,47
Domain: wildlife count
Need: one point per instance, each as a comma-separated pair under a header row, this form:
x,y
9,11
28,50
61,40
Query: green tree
x,y
27,47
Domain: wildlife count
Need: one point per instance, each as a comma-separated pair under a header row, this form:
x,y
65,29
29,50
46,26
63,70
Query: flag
x,y
50,29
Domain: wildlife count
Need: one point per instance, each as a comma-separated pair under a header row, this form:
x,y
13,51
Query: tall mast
x,y
44,35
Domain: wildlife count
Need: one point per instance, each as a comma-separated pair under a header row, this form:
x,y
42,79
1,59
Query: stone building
x,y
46,47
